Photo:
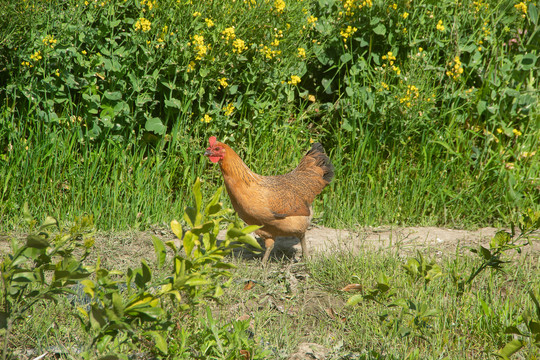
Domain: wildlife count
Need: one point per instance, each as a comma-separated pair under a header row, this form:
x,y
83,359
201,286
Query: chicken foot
x,y
269,245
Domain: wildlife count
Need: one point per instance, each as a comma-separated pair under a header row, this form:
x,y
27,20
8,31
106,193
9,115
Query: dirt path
x,y
125,248
405,240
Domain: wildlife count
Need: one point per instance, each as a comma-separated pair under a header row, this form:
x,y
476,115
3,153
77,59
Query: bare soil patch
x,y
123,249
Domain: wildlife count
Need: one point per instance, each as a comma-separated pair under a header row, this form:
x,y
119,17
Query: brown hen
x,y
280,204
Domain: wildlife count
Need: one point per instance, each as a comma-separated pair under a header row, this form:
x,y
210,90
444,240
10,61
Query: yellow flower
x,y
209,22
420,49
440,26
279,6
521,7
301,52
57,72
499,130
206,118
275,43
49,40
228,110
456,68
200,47
312,19
223,82
517,132
295,80
142,24
36,56
228,33
196,13
191,66
347,32
239,46
405,15
269,53
83,52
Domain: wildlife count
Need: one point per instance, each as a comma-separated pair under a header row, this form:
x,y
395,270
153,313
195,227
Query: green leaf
x,y
176,229
534,326
160,342
97,318
118,305
511,348
190,216
533,13
486,254
197,281
113,95
345,125
159,248
173,103
198,195
500,239
49,222
211,207
481,107
155,125
219,291
251,228
379,29
36,241
249,240
528,61
27,217
189,242
345,58
355,299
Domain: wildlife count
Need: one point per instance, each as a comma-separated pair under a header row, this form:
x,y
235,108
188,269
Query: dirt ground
x,y
120,250
406,240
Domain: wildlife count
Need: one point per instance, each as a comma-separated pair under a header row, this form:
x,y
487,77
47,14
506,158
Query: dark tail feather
x,y
323,161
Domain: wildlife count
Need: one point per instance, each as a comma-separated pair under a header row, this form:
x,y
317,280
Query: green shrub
x,y
439,98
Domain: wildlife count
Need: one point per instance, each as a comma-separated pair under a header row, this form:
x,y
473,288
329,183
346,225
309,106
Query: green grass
x,y
292,303
100,116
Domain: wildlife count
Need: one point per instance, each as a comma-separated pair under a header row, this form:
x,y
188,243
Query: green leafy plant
x,y
498,246
413,319
418,268
228,342
527,329
45,268
128,308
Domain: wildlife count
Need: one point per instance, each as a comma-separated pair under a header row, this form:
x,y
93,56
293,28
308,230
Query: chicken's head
x,y
216,150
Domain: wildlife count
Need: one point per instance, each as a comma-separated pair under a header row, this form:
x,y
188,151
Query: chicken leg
x,y
269,245
305,250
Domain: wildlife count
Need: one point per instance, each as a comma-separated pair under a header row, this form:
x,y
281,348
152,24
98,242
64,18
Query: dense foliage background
x,y
429,109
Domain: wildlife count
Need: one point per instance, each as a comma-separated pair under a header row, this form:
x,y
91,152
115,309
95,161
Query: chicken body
x,y
280,204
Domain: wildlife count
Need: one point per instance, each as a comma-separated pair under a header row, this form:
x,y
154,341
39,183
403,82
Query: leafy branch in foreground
x,y
44,268
499,245
529,333
132,309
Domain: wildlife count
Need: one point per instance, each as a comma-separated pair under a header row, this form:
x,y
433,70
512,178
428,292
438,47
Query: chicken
x,y
280,204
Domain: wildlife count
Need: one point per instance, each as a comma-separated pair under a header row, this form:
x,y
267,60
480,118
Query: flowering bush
x,y
439,74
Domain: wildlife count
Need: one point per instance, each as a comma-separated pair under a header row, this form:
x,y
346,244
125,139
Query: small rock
x,y
309,351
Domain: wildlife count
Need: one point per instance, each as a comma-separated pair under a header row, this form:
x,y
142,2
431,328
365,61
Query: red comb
x,y
212,140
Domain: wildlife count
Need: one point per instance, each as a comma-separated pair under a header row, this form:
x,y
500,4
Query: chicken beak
x,y
208,152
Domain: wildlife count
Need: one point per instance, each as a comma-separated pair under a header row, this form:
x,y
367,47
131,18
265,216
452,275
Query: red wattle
x,y
214,159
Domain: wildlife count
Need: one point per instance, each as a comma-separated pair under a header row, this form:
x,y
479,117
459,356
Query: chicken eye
x,y
218,148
